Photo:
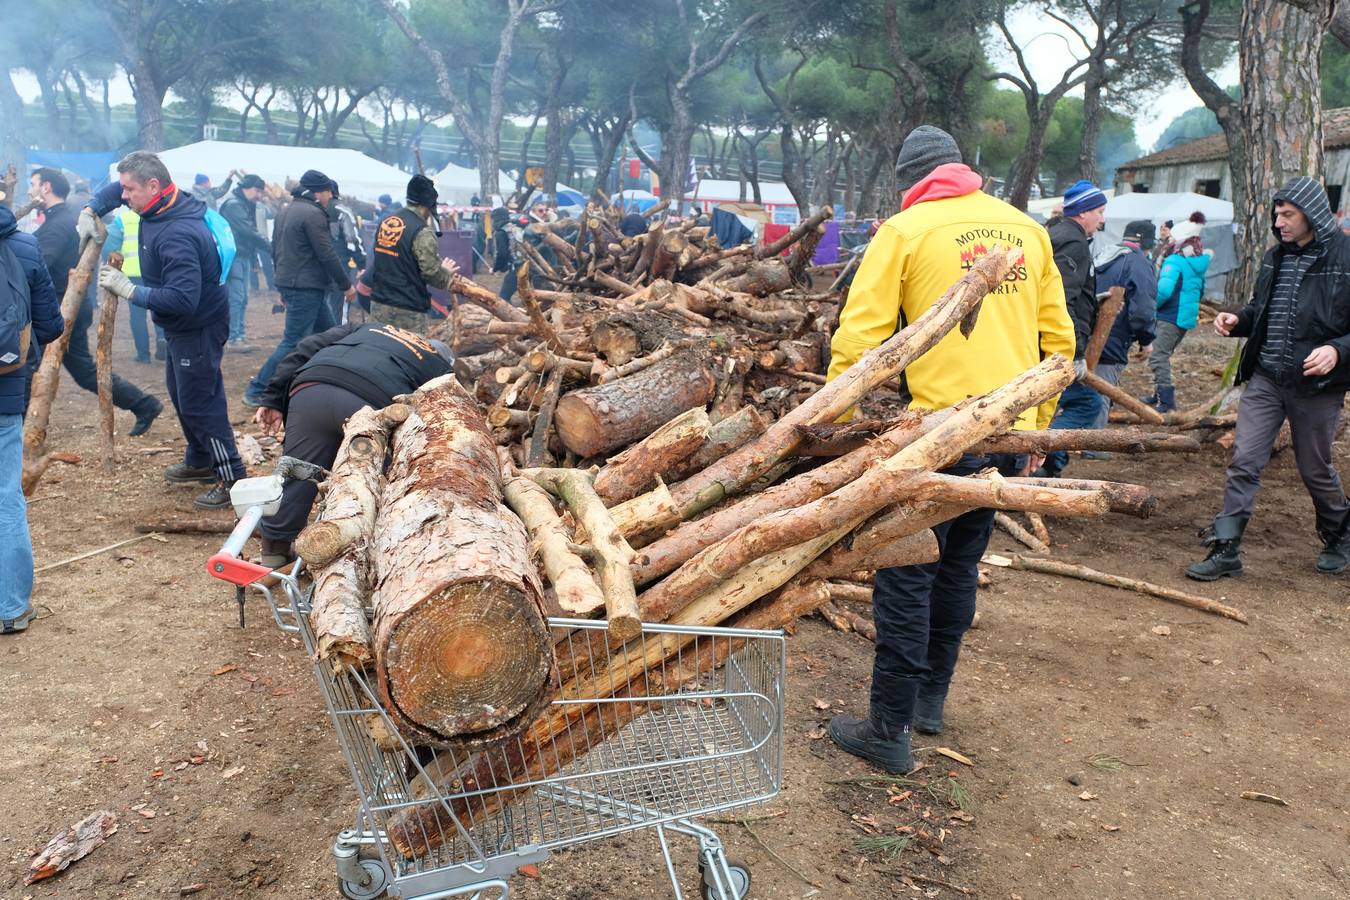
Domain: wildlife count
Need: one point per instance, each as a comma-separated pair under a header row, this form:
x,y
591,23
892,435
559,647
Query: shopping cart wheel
x,y
740,880
377,879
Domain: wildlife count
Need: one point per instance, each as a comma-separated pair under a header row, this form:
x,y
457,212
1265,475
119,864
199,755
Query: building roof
x,y
1335,129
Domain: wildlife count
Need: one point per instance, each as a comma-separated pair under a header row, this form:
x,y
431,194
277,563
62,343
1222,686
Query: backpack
x,y
220,230
16,313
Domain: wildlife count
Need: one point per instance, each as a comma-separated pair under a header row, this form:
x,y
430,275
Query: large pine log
x,y
636,469
1115,440
605,417
762,278
48,377
463,657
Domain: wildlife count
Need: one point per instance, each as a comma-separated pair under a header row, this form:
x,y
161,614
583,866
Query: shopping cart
x,y
699,734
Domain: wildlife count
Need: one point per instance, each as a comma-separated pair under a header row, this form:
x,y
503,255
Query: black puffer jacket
x,y
302,248
1073,257
1323,310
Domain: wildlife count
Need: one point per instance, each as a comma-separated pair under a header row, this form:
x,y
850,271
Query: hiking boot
x,y
1097,455
928,713
19,623
239,345
145,417
1166,399
1335,555
1224,539
216,498
161,351
182,473
1148,399
276,553
883,747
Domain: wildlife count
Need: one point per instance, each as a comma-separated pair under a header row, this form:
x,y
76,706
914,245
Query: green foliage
x,y
1002,132
1335,73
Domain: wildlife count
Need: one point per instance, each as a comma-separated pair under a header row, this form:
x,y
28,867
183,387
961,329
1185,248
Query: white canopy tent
x,y
1158,208
458,185
357,175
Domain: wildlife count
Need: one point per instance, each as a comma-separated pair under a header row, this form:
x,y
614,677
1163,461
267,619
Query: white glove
x,y
116,281
1079,366
87,225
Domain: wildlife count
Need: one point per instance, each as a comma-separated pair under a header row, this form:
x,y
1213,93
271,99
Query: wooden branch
x,y
1106,319
182,526
999,493
1122,398
480,295
538,450
1115,440
647,516
536,314
632,367
1038,527
1083,573
841,561
613,555
107,321
809,224
1004,521
576,590
1129,499
637,468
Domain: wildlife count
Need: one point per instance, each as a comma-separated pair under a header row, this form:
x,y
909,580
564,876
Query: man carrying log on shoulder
x,y
946,222
317,387
1297,366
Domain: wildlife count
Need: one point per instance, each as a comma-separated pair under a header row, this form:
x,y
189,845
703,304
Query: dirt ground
x,y
1109,759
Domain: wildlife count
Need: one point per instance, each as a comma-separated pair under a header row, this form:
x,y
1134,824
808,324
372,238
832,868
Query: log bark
x,y
647,516
485,298
1106,318
636,469
768,276
338,546
1020,534
1001,493
877,366
548,404
617,343
71,845
841,561
575,588
1083,573
1123,399
1115,440
48,376
462,655
807,225
633,366
1129,499
724,436
605,417
107,320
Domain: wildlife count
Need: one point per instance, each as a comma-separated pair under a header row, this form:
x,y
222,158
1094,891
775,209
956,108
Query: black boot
x,y
149,410
928,712
879,744
1224,539
216,498
1335,555
182,473
1166,399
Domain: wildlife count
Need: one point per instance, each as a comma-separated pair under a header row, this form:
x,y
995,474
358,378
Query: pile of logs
x,y
627,459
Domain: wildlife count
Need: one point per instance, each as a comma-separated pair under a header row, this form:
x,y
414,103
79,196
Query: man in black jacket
x,y
240,209
302,250
406,262
315,390
1297,366
61,251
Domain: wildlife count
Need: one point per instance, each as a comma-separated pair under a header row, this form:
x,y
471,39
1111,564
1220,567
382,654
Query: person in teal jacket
x,y
1180,286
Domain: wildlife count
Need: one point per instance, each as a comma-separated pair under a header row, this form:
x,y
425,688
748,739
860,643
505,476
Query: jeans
x,y
1110,373
192,375
314,420
1312,423
306,313
238,286
923,611
16,547
1164,345
1079,407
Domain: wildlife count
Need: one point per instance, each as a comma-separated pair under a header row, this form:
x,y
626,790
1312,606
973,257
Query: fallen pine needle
x,y
952,754
924,879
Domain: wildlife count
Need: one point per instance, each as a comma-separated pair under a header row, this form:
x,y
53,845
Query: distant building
x,y
1202,165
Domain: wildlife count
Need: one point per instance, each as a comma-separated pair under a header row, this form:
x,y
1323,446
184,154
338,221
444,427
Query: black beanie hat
x,y
314,180
422,191
1142,232
252,181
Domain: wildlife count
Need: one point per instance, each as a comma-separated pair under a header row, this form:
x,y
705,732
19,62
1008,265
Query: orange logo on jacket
x,y
390,233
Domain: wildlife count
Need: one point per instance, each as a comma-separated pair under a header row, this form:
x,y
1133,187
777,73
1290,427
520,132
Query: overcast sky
x,y
1047,46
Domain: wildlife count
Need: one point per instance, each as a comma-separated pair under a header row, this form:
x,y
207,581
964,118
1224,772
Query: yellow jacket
x,y
921,252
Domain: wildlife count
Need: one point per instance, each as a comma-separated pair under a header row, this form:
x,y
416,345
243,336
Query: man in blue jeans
x,y
306,263
20,257
240,209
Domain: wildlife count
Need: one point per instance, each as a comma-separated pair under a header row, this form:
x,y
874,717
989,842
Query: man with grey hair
x,y
183,287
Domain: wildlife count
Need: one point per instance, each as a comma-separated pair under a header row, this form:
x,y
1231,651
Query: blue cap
x,y
386,199
1081,197
201,178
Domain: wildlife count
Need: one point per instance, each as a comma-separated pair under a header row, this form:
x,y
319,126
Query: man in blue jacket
x,y
16,547
1128,265
181,275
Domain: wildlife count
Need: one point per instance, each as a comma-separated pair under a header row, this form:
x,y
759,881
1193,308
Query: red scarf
x,y
947,180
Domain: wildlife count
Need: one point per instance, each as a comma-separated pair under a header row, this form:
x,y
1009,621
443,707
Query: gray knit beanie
x,y
924,150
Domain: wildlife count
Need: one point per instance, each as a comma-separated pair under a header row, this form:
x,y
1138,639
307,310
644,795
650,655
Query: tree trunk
x,y
1026,168
462,654
13,142
1092,120
599,419
149,105
1280,59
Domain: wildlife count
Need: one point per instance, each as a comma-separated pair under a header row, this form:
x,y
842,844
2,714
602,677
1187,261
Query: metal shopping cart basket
x,y
700,733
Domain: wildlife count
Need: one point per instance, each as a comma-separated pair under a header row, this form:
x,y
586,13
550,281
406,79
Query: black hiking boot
x,y
145,416
216,498
182,473
1335,555
1224,539
928,713
1166,399
886,748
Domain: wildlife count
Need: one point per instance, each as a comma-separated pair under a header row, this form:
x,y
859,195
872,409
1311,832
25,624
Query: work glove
x,y
87,225
1079,367
116,281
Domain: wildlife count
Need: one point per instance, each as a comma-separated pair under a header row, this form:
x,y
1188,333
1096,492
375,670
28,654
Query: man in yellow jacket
x,y
945,223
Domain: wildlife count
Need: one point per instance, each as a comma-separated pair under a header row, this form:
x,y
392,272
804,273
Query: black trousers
x,y
192,375
922,612
314,423
79,362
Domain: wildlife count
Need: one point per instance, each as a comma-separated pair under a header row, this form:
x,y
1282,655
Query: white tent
x,y
771,193
458,185
357,175
1158,208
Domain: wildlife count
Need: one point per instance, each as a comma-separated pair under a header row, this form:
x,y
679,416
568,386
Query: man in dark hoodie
x,y
1296,365
315,390
184,291
61,250
240,209
21,268
306,263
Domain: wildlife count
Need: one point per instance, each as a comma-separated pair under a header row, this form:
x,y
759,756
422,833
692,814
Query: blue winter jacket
x,y
1180,287
180,265
1127,267
45,305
